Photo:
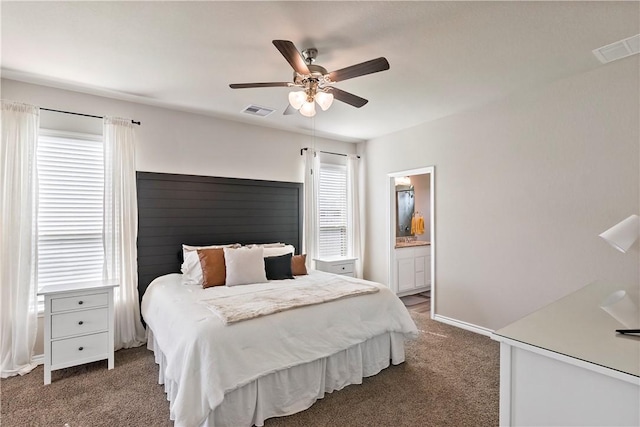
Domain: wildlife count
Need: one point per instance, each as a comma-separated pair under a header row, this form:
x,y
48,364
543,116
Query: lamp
x,y
624,234
402,180
303,101
621,308
308,109
324,100
297,98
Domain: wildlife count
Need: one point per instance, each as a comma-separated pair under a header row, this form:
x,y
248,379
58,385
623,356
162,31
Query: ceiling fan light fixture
x,y
314,82
297,98
308,109
324,100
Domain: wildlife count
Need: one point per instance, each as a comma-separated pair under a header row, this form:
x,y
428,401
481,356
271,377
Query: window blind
x,y
332,211
70,209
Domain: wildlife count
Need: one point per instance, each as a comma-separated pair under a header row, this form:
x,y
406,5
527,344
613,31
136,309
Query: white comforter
x,y
207,358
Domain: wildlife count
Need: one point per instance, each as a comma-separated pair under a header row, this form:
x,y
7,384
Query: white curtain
x,y
18,236
311,179
121,229
355,220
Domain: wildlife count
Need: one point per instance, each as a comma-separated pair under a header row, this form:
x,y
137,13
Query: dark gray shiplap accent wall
x,y
201,210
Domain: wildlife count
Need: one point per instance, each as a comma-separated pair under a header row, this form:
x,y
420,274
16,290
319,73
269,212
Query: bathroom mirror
x,y
405,205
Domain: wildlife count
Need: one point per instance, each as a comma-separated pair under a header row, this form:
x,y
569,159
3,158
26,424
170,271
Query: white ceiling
x,y
446,57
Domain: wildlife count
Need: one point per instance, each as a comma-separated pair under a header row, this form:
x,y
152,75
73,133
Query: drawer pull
x,y
80,302
80,322
81,348
343,268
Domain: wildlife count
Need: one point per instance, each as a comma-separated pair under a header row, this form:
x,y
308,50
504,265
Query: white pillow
x,y
190,268
288,249
244,266
266,245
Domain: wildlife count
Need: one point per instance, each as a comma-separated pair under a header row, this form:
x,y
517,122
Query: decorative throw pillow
x,y
244,266
288,249
190,268
278,267
266,245
299,265
213,270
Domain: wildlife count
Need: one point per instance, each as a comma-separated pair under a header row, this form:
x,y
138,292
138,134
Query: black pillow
x,y
278,267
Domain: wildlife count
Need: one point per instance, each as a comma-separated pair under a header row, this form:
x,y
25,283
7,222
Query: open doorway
x,y
411,236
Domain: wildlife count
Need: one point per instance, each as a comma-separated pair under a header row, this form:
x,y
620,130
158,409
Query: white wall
x,y
177,142
523,188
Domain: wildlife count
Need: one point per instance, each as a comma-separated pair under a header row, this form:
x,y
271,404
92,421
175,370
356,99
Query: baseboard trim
x,y
464,325
38,359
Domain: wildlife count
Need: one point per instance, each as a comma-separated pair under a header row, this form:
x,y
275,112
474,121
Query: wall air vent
x,y
256,110
618,50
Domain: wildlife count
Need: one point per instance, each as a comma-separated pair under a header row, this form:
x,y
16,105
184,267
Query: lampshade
x,y
324,100
297,98
308,109
624,234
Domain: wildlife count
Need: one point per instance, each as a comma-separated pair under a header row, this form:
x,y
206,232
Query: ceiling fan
x,y
316,83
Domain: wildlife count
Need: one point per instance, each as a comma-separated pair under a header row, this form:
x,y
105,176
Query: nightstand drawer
x,y
78,302
79,322
342,268
72,351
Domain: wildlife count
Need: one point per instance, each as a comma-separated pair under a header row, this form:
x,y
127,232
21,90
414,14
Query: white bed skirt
x,y
292,390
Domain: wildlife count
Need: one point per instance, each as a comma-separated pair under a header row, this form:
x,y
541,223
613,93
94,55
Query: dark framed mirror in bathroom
x,y
405,209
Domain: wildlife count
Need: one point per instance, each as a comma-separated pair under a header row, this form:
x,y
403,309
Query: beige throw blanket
x,y
235,308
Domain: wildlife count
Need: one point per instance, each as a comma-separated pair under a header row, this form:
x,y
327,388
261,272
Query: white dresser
x,y
342,266
565,365
78,325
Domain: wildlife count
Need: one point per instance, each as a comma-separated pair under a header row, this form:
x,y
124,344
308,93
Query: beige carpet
x,y
450,378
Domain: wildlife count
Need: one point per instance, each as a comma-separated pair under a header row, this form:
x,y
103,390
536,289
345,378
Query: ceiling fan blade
x,y
250,85
291,54
347,97
364,68
289,110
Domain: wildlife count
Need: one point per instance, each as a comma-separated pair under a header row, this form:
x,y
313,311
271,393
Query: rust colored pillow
x,y
213,270
298,267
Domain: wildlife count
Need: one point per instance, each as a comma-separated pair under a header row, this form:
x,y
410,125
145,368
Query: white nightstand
x,y
342,266
78,325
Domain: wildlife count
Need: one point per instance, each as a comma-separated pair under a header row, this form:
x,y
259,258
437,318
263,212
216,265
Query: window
x,y
70,208
332,211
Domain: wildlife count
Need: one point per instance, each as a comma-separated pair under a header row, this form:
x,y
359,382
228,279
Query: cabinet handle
x,y
343,268
80,322
80,302
81,348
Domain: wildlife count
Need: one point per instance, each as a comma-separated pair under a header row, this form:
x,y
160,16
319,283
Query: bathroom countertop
x,y
412,244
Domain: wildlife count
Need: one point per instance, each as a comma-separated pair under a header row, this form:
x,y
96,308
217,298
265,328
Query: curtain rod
x,y
81,114
326,152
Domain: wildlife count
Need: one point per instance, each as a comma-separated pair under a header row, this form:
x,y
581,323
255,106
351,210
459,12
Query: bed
x,y
243,373
218,372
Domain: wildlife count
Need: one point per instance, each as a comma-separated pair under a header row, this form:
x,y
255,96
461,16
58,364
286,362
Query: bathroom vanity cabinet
x,y
412,265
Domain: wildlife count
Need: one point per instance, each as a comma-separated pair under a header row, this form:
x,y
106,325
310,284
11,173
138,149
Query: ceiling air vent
x,y
256,110
618,50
